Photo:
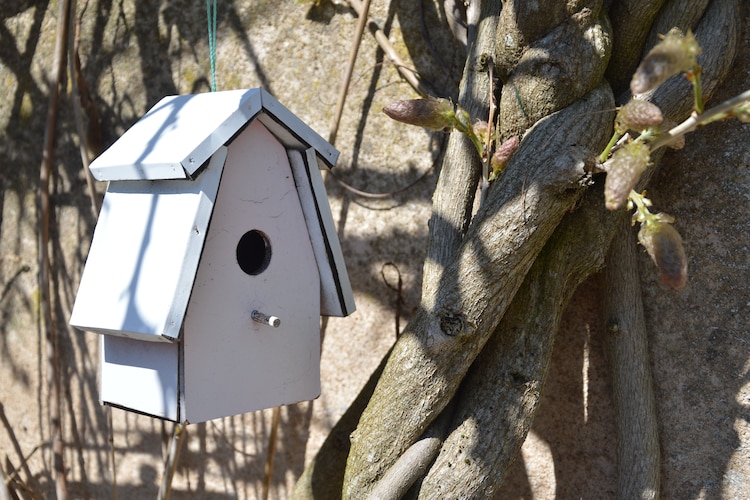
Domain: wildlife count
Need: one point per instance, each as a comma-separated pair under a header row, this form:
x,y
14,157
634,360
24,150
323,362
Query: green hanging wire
x,y
211,15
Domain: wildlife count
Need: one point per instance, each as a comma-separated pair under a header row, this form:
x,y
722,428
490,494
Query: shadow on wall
x,y
235,447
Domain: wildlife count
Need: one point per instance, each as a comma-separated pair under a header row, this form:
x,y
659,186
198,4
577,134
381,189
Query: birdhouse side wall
x,y
336,297
140,376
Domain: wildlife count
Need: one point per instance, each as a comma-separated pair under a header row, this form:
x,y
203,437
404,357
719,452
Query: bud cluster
x,y
502,156
638,115
441,114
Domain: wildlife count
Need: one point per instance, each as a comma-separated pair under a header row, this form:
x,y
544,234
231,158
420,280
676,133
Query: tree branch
x,y
45,266
627,350
631,23
459,175
500,394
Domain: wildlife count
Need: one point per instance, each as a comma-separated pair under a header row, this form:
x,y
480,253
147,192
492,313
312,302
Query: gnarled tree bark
x,y
498,283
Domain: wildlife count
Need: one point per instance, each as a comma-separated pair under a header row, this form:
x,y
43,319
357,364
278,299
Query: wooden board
x,y
233,364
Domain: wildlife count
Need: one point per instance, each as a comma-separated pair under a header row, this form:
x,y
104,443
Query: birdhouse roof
x,y
175,138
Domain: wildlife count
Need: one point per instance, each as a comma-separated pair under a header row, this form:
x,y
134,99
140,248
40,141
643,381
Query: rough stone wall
x,y
133,53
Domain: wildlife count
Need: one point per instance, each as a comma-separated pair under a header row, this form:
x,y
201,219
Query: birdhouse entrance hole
x,y
253,252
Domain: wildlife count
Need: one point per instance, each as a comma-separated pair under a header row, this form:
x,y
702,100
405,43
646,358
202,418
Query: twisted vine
x,y
497,283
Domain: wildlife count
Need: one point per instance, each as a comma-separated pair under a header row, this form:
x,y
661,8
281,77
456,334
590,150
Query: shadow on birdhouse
x,y
214,256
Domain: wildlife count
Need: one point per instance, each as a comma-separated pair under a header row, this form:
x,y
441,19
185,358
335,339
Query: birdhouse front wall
x,y
257,257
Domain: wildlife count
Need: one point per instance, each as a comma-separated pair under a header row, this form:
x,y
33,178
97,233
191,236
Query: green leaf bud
x,y
638,115
664,244
435,114
675,53
624,169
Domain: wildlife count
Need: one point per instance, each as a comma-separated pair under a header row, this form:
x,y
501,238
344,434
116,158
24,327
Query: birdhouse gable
x,y
180,133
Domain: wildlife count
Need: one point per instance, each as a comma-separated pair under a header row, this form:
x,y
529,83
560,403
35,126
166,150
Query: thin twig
x,y
487,157
50,326
268,472
111,439
361,22
16,446
77,441
74,65
4,492
390,194
175,445
399,292
695,121
409,75
12,483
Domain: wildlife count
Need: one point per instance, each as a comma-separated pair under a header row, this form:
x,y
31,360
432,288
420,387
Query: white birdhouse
x,y
213,258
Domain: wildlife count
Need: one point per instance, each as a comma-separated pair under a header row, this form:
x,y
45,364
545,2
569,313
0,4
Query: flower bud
x,y
435,114
638,115
664,244
502,155
623,171
673,54
480,130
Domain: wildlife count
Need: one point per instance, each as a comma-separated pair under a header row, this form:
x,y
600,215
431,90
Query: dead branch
x,y
17,447
272,439
408,74
173,458
364,12
88,143
50,321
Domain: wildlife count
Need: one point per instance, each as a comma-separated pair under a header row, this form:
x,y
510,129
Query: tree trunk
x,y
437,347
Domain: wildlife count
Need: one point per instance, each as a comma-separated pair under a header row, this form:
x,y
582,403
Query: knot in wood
x,y
452,323
614,329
